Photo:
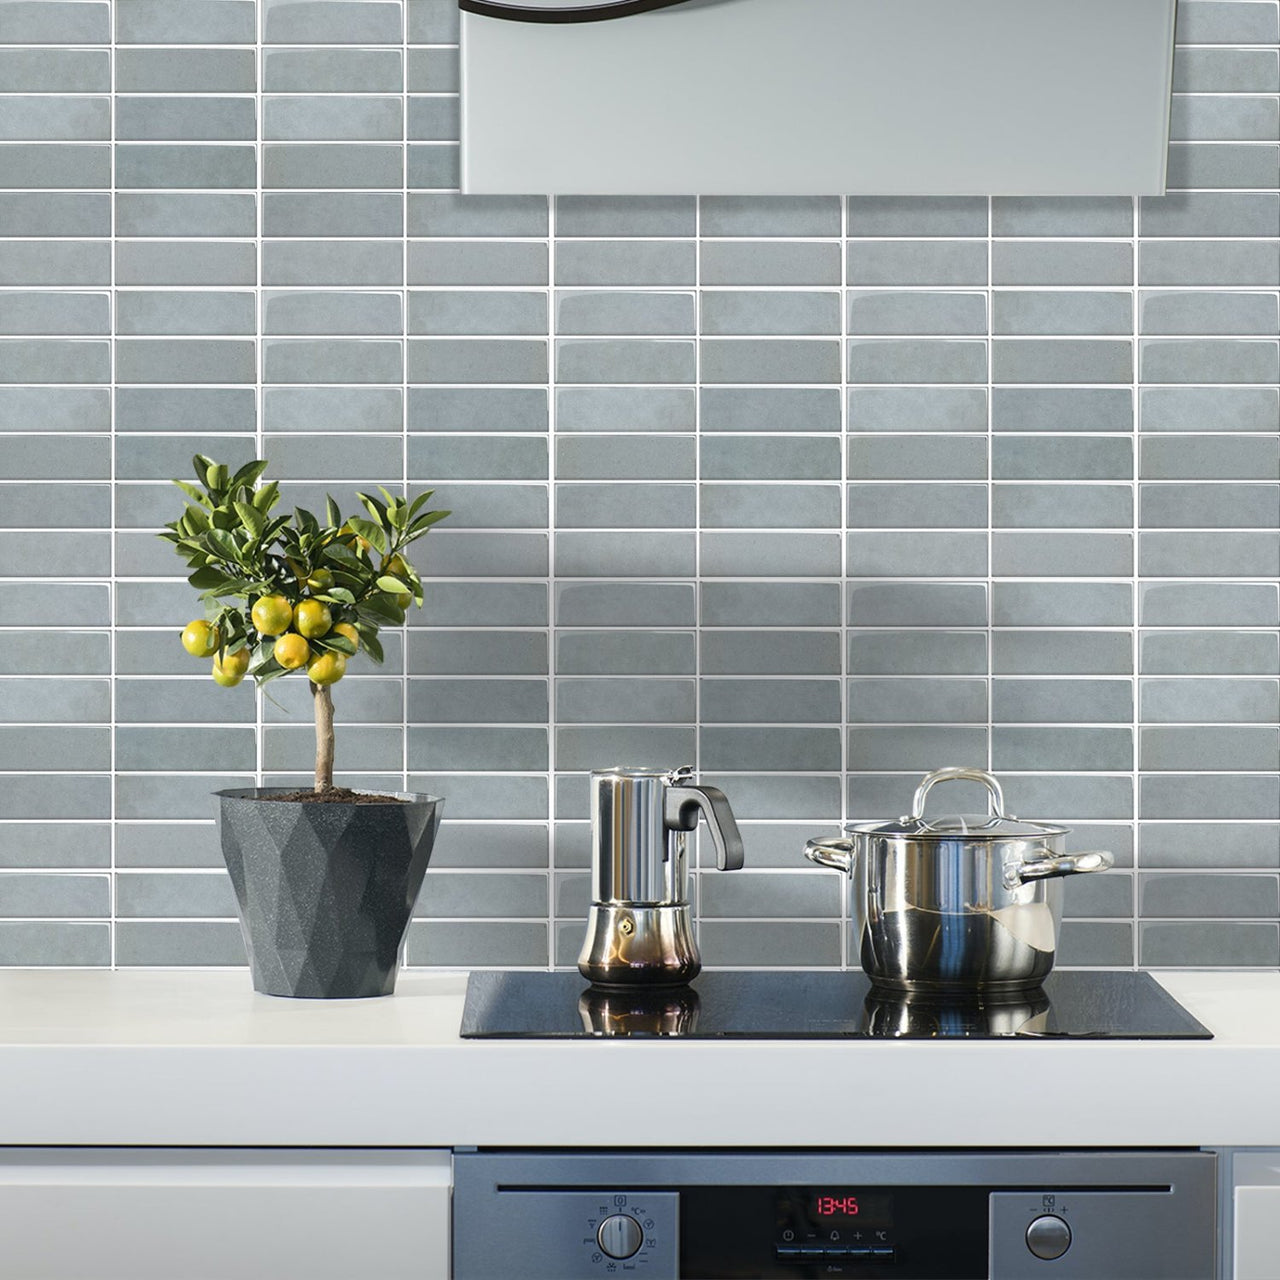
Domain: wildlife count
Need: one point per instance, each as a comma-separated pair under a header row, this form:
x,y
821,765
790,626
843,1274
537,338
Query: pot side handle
x,y
837,854
1069,864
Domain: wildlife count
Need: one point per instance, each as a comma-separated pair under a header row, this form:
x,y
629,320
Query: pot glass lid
x,y
995,825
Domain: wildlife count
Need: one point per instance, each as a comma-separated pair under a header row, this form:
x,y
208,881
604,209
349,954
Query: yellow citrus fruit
x,y
272,615
229,669
348,630
200,638
291,651
312,618
327,668
320,580
397,566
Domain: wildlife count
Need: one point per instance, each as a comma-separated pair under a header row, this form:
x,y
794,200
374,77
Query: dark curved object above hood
x,y
570,13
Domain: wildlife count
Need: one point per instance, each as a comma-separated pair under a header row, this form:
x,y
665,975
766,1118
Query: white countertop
x,y
191,1058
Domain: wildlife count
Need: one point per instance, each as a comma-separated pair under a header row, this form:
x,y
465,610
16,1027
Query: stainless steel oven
x,y
855,1215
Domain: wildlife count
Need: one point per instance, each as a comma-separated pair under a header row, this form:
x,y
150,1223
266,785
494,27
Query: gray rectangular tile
x,y
633,701
172,165
1033,311
745,604
470,944
1062,749
917,312
1218,652
769,263
625,555
917,699
335,70
332,213
917,360
1209,844
772,506
1208,943
639,262
337,118
914,746
1068,555
353,165
1062,409
770,360
1210,701
814,409
949,505
769,216
777,311
917,216
1061,262
1208,262
770,652
769,701
616,312
1205,360
1061,360
764,457
41,118
1192,506
340,22
1209,213
878,409
1059,506
917,457
1209,555
1200,312
1065,701
1077,652
648,506
1226,71
1045,457
1188,457
898,263
586,216
1208,796
66,944
185,22
649,653
1061,216
1217,165
763,894
934,652
614,360
1185,747
648,409
924,554
917,604
481,361
582,747
68,262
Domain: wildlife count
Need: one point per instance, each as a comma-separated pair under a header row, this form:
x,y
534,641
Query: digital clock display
x,y
822,1209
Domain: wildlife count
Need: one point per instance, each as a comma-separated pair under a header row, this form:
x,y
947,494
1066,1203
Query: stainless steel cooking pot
x,y
956,903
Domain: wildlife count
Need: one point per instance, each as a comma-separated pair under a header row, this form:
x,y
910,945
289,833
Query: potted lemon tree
x,y
325,877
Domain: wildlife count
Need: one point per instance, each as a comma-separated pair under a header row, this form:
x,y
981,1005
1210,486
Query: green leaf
x,y
371,533
375,508
394,585
339,594
420,501
424,522
372,645
223,543
208,579
336,643
332,514
340,553
249,473
381,611
192,492
253,519
266,497
200,465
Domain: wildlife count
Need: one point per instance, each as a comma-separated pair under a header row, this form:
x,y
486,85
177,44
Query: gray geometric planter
x,y
325,890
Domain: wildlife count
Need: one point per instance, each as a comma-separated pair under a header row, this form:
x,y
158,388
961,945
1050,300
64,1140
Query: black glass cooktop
x,y
774,1005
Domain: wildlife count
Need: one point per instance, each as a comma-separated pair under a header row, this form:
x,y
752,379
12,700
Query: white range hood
x,y
879,97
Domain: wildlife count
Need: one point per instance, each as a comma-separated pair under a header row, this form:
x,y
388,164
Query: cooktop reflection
x,y
773,1005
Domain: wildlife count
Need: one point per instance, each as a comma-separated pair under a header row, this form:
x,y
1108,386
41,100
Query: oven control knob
x,y
1048,1237
620,1236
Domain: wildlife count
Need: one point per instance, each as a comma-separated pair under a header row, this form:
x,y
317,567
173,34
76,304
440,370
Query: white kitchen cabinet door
x,y
1256,1179
95,1213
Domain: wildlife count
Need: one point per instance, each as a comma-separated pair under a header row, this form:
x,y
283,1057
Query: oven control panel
x,y
980,1215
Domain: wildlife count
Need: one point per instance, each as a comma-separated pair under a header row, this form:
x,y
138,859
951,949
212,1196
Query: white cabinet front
x,y
95,1213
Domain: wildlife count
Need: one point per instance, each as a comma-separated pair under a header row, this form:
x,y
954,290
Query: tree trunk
x,y
324,736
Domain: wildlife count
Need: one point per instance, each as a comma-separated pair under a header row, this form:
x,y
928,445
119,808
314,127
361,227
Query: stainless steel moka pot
x,y
639,932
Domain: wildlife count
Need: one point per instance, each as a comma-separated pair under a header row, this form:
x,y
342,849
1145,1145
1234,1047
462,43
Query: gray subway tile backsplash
x,y
813,493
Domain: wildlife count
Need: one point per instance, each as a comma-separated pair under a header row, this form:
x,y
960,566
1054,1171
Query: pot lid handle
x,y
995,796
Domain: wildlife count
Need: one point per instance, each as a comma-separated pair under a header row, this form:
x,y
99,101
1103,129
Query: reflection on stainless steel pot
x,y
637,1011
900,1013
956,903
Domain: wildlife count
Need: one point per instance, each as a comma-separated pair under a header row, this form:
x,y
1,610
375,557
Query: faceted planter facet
x,y
325,890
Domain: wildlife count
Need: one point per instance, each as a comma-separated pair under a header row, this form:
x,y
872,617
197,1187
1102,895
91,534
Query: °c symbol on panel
x,y
596,11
